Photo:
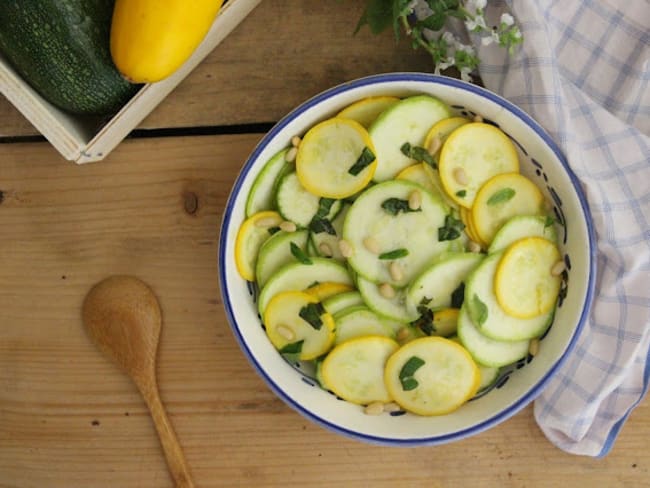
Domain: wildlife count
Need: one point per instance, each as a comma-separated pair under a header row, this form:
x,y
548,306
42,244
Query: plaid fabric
x,y
583,73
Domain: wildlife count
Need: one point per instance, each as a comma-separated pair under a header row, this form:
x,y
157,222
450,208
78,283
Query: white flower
x,y
507,19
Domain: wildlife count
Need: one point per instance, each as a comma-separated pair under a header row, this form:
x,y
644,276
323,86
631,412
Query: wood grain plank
x,y
69,418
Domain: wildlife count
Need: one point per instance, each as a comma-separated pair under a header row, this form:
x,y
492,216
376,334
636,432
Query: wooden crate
x,y
85,139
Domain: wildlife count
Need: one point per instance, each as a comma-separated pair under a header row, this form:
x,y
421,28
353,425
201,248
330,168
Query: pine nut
x,y
266,222
285,332
288,226
295,141
460,176
558,268
478,118
403,334
291,155
415,200
434,145
474,247
325,249
392,407
374,408
533,347
345,248
396,271
371,244
386,290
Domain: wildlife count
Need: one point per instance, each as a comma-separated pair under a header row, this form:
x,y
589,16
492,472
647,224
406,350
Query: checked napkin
x,y
583,73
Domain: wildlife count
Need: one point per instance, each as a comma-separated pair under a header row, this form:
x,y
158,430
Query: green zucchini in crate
x,y
61,49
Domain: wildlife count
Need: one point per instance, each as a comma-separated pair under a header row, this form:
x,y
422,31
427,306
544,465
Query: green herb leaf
x,y
366,159
458,296
425,321
378,15
394,206
394,254
311,314
549,221
451,230
408,370
419,154
273,230
481,310
461,193
293,348
324,206
501,196
318,225
299,254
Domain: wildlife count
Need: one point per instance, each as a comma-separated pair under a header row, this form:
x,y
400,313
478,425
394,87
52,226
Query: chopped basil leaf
x,y
408,370
366,159
501,196
394,206
299,254
418,153
293,348
481,309
461,193
549,221
318,225
324,206
394,254
451,230
273,230
425,321
458,296
311,314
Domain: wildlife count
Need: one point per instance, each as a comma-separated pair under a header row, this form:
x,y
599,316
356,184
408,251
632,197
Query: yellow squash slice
x,y
287,328
431,376
253,232
336,158
354,369
466,218
502,197
471,155
524,283
327,289
441,131
365,111
417,174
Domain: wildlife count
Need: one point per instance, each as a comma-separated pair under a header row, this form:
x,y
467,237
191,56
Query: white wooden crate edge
x,y
75,141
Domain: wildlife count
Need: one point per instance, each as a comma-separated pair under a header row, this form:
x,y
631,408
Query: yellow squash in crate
x,y
151,39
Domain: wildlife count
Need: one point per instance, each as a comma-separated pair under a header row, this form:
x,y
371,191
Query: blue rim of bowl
x,y
534,391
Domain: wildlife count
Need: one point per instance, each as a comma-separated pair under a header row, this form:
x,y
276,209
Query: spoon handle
x,y
171,447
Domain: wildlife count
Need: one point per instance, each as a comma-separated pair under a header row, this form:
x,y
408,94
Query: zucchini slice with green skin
x,y
487,351
342,301
276,252
262,193
523,226
489,374
409,120
436,284
360,321
365,111
485,311
431,376
392,308
354,370
298,277
326,244
382,213
297,204
286,327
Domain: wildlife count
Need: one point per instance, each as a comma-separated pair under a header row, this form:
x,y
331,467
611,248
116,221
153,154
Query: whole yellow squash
x,y
151,39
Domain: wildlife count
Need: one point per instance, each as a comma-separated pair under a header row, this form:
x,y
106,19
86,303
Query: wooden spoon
x,y
123,317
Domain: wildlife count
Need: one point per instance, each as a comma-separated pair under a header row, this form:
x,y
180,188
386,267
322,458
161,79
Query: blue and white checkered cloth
x,y
583,73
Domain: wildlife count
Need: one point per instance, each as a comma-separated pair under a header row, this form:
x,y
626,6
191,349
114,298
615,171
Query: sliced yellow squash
x,y
524,283
431,376
327,289
417,174
466,217
502,197
253,232
365,111
336,158
354,369
296,322
471,155
445,322
438,134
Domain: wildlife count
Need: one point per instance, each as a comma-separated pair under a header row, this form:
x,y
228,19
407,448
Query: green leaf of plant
x,y
293,348
501,196
395,205
549,221
461,193
311,314
451,230
378,15
481,310
318,225
408,370
425,321
419,154
299,254
394,254
365,159
458,296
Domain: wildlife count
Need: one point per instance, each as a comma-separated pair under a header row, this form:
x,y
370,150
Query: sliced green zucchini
x,y
262,193
325,243
276,252
360,321
523,226
393,308
342,301
300,206
254,232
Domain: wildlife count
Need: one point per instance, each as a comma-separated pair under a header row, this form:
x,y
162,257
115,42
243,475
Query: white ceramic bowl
x,y
541,161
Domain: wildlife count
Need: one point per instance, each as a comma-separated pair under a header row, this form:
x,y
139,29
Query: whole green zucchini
x,y
61,48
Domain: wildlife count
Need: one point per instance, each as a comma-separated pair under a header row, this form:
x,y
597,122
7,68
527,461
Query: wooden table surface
x,y
69,418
